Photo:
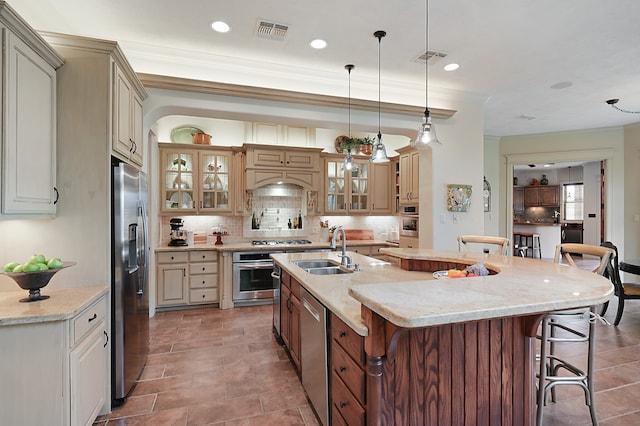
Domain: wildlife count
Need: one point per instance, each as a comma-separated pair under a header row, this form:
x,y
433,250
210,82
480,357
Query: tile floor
x,y
213,367
209,366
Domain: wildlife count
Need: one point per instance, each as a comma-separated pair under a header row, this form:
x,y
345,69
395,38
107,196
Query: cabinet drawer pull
x,y
57,195
343,368
106,339
93,317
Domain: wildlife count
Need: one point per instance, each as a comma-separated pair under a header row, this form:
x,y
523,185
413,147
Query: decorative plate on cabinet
x,y
184,134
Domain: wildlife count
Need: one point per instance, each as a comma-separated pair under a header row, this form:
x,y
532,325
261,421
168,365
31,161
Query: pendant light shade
x,y
379,154
427,131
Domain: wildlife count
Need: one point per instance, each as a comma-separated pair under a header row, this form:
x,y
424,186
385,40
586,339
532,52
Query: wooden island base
x,y
472,373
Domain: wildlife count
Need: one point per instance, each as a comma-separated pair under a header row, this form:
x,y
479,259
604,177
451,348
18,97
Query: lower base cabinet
x,y
290,316
186,277
347,377
55,373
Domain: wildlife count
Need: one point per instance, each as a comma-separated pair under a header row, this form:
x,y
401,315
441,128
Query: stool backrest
x,y
565,250
466,242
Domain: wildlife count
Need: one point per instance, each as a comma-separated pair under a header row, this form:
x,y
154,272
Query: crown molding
x,y
251,92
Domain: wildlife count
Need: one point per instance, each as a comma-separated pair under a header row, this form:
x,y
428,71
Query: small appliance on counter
x,y
177,234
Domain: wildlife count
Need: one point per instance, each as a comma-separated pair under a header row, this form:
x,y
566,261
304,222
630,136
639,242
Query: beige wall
x,y
619,146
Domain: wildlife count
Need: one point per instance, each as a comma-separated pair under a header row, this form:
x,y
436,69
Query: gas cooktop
x,y
278,242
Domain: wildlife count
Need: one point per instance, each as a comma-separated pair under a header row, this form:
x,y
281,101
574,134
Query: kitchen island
x,y
452,351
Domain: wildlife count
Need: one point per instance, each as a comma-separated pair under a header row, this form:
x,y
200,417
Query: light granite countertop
x,y
415,299
63,303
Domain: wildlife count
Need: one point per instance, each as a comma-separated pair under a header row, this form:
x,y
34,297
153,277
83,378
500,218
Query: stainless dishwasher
x,y
313,353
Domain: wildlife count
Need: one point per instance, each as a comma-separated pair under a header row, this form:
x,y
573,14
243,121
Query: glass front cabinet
x,y
195,180
347,190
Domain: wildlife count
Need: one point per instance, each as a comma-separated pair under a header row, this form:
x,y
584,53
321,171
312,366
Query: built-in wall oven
x,y
252,281
409,221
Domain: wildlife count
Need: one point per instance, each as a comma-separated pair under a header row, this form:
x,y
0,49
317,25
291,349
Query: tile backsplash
x,y
239,227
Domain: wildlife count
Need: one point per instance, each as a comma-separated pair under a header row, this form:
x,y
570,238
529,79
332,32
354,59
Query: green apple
x,y
9,267
30,267
18,268
55,263
42,266
38,258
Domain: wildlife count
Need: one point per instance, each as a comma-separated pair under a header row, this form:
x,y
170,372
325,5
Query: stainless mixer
x,y
177,234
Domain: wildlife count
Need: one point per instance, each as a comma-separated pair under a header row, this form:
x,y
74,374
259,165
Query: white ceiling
x,y
511,53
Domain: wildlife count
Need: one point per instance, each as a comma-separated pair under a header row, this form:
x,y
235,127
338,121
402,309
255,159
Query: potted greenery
x,y
365,145
355,145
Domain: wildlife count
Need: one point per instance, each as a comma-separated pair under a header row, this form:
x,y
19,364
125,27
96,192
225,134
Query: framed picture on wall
x,y
458,197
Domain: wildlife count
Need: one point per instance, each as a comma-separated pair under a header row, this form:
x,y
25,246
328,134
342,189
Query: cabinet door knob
x,y
342,334
343,368
343,404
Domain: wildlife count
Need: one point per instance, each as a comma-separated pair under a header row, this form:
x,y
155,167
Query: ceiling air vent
x,y
430,56
271,30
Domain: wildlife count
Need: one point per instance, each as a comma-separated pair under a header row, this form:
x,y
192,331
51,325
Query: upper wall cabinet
x,y
102,99
542,196
127,118
270,164
409,176
278,134
28,124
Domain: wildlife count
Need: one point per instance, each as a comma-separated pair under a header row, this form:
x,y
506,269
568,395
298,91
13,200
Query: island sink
x,y
328,270
316,263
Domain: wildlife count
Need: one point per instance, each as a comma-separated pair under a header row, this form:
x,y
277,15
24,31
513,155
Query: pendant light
x,y
348,160
379,151
426,131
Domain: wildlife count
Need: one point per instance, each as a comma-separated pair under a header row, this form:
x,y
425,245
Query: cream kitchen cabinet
x,y
203,276
409,176
187,277
382,178
366,188
171,278
55,370
270,164
128,138
86,364
28,127
195,180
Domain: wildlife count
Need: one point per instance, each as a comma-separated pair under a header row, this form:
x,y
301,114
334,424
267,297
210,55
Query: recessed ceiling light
x,y
221,27
451,67
318,44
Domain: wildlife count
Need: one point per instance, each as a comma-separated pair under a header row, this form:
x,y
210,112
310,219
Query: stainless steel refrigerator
x,y
130,279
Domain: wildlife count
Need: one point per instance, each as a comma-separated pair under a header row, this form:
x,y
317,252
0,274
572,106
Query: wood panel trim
x,y
277,95
475,373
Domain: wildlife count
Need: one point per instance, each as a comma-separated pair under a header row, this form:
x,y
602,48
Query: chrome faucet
x,y
346,259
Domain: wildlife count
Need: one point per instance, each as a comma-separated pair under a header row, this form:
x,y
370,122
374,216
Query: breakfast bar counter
x,y
455,350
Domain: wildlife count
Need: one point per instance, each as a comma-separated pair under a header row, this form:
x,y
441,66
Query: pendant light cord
x,y
379,34
349,67
426,59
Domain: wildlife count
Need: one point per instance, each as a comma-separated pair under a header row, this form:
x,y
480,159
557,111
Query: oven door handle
x,y
274,275
265,265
